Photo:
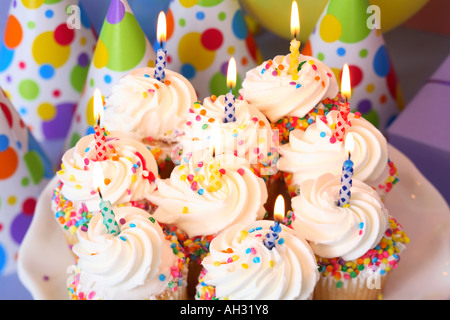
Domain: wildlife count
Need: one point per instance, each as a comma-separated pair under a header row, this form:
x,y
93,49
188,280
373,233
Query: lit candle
x,y
295,44
105,206
347,174
99,130
161,53
275,229
230,109
344,108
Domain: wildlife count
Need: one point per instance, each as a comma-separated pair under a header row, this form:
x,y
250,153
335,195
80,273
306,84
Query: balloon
x,y
274,15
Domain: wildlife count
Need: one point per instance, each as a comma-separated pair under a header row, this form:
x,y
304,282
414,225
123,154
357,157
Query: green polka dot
x,y
25,182
35,166
208,3
28,89
31,25
74,139
353,19
78,77
51,1
182,22
363,53
218,84
91,82
222,16
132,49
320,56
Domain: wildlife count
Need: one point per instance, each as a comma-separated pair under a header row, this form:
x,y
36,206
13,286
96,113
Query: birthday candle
x,y
161,53
295,44
105,206
341,121
99,130
347,174
230,108
275,229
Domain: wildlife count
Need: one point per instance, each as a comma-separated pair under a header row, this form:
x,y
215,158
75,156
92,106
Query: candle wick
x,y
349,155
99,193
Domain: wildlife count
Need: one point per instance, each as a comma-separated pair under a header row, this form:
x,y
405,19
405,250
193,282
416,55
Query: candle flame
x,y
349,143
231,73
161,29
346,88
278,211
98,105
295,20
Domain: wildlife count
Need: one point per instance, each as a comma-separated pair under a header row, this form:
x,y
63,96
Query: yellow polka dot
x,y
90,112
370,87
100,55
46,50
337,73
330,28
46,111
231,50
188,3
151,63
32,4
12,200
83,41
191,50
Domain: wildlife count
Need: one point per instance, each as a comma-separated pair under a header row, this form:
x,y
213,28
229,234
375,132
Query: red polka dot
x,y
391,80
212,39
56,93
251,46
7,113
22,65
63,35
28,206
356,75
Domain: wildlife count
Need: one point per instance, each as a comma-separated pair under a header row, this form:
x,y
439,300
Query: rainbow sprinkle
x,y
384,257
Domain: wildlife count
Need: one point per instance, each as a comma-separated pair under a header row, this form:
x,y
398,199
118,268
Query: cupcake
x,y
240,267
142,262
356,246
151,110
129,172
315,151
250,136
286,98
202,198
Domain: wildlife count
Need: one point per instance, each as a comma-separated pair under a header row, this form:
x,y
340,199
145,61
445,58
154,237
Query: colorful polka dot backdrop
x,y
44,63
121,47
342,36
24,172
202,37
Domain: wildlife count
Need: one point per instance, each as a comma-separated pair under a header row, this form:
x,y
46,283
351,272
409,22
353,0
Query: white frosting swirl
x,y
241,267
335,231
142,105
248,137
130,170
126,266
202,198
310,153
273,91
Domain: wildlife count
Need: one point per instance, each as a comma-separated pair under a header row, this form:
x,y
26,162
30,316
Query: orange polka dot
x,y
9,161
383,98
13,32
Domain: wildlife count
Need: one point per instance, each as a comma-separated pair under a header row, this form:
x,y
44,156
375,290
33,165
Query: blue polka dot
x,y
47,71
108,79
23,111
2,258
381,63
200,15
239,25
6,56
188,70
4,142
85,21
90,130
19,145
340,51
49,13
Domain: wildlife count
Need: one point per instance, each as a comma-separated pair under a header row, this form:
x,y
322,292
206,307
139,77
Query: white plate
x,y
423,273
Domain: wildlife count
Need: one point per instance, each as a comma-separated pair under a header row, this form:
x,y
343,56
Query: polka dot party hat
x,y
122,46
44,59
346,32
202,36
24,172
